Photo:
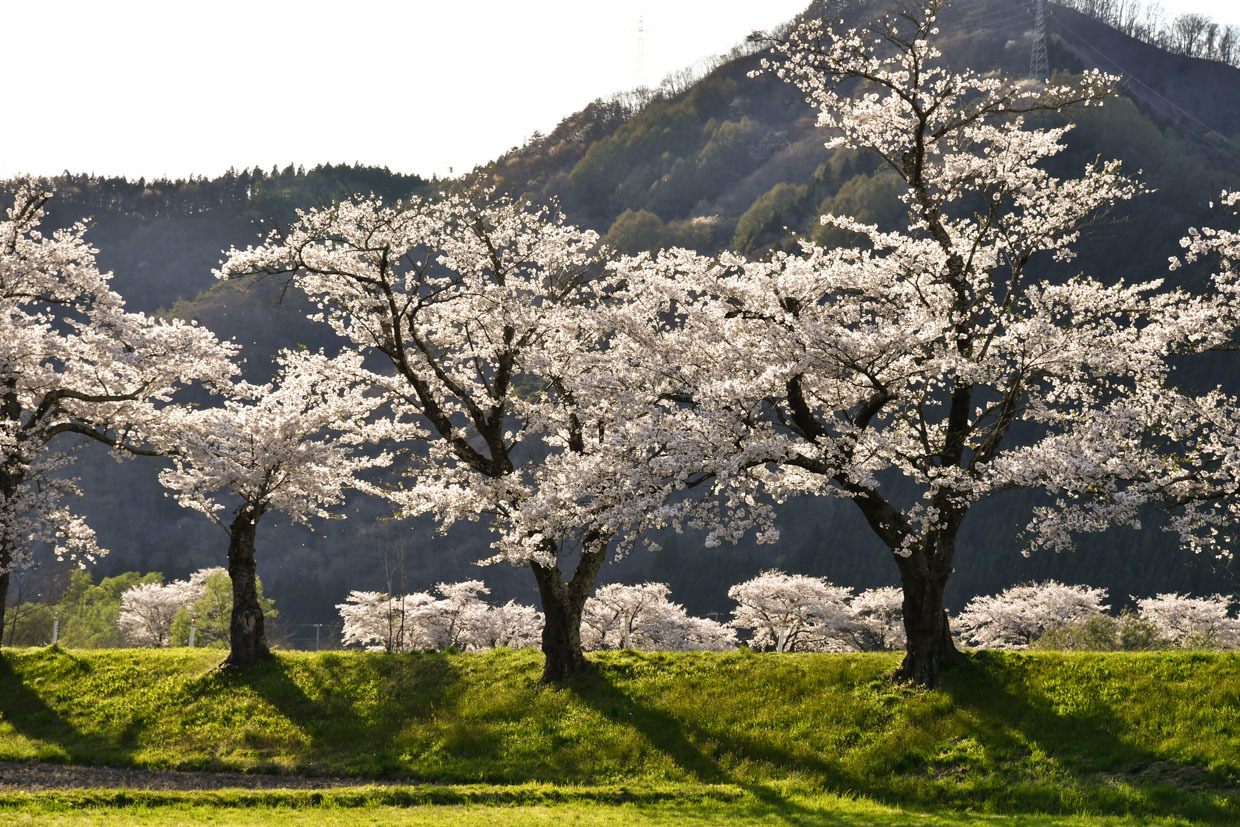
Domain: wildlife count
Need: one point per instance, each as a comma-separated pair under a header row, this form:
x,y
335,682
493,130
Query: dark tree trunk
x,y
247,637
562,604
4,589
924,575
9,484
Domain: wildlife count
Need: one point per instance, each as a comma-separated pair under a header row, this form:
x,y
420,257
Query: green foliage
x,y
1148,734
644,232
29,624
778,207
277,195
1103,633
636,232
214,613
870,199
88,612
622,170
723,158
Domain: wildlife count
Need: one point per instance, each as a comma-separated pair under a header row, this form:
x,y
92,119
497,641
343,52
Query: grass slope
x,y
1150,734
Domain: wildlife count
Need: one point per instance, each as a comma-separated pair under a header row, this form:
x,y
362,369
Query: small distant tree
x,y
1102,633
615,610
513,625
792,612
878,616
1192,622
211,612
459,619
642,617
369,620
1016,617
148,610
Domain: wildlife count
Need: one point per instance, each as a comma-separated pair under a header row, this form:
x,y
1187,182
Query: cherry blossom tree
x,y
292,446
477,306
148,609
924,370
421,622
458,619
792,612
513,625
643,617
369,621
1192,622
1160,445
1015,617
878,615
615,610
73,361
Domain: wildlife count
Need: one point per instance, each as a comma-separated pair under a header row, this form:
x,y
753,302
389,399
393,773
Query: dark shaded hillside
x,y
730,161
1198,96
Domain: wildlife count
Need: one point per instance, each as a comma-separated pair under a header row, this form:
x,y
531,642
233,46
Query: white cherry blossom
x,y
73,361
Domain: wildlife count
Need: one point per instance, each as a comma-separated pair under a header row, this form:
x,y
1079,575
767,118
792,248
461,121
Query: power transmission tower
x,y
641,54
1039,65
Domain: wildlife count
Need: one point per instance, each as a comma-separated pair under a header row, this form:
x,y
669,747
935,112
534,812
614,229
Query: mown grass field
x,y
650,738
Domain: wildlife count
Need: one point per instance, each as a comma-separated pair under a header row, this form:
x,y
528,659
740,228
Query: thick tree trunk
x,y
930,648
247,637
562,605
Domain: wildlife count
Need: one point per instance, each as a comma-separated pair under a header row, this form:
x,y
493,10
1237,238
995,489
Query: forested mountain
x,y
727,161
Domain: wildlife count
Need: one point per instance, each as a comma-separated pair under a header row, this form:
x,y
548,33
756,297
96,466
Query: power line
x,y
1152,97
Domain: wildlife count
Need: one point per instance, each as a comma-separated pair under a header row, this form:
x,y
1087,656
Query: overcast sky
x,y
169,88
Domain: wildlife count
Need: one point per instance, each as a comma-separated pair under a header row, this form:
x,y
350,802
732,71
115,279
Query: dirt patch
x,y
30,776
1180,776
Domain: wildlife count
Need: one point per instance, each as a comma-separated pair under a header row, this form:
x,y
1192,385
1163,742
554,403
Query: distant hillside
x,y
732,160
728,161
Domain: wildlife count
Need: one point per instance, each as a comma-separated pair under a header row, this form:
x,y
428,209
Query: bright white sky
x,y
140,88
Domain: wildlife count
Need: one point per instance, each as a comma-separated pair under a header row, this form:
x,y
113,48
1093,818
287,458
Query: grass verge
x,y
1127,736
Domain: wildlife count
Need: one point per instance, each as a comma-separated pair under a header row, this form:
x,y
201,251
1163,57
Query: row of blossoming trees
x,y
791,613
775,611
513,371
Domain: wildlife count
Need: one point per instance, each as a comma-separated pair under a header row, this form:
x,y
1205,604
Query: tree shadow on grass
x,y
1036,756
1077,737
345,707
30,715
679,740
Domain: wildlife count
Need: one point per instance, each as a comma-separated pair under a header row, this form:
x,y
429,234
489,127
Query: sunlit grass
x,y
525,804
1151,734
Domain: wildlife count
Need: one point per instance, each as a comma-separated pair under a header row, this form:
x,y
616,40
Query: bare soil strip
x,y
32,776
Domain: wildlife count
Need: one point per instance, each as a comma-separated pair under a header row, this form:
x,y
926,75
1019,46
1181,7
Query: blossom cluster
x,y
149,609
419,622
74,361
1022,615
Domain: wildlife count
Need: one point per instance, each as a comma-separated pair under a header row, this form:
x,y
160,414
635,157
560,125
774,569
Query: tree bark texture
x,y
247,636
562,605
9,484
924,576
4,589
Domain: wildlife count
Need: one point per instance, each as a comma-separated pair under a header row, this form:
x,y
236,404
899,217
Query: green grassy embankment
x,y
1149,734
